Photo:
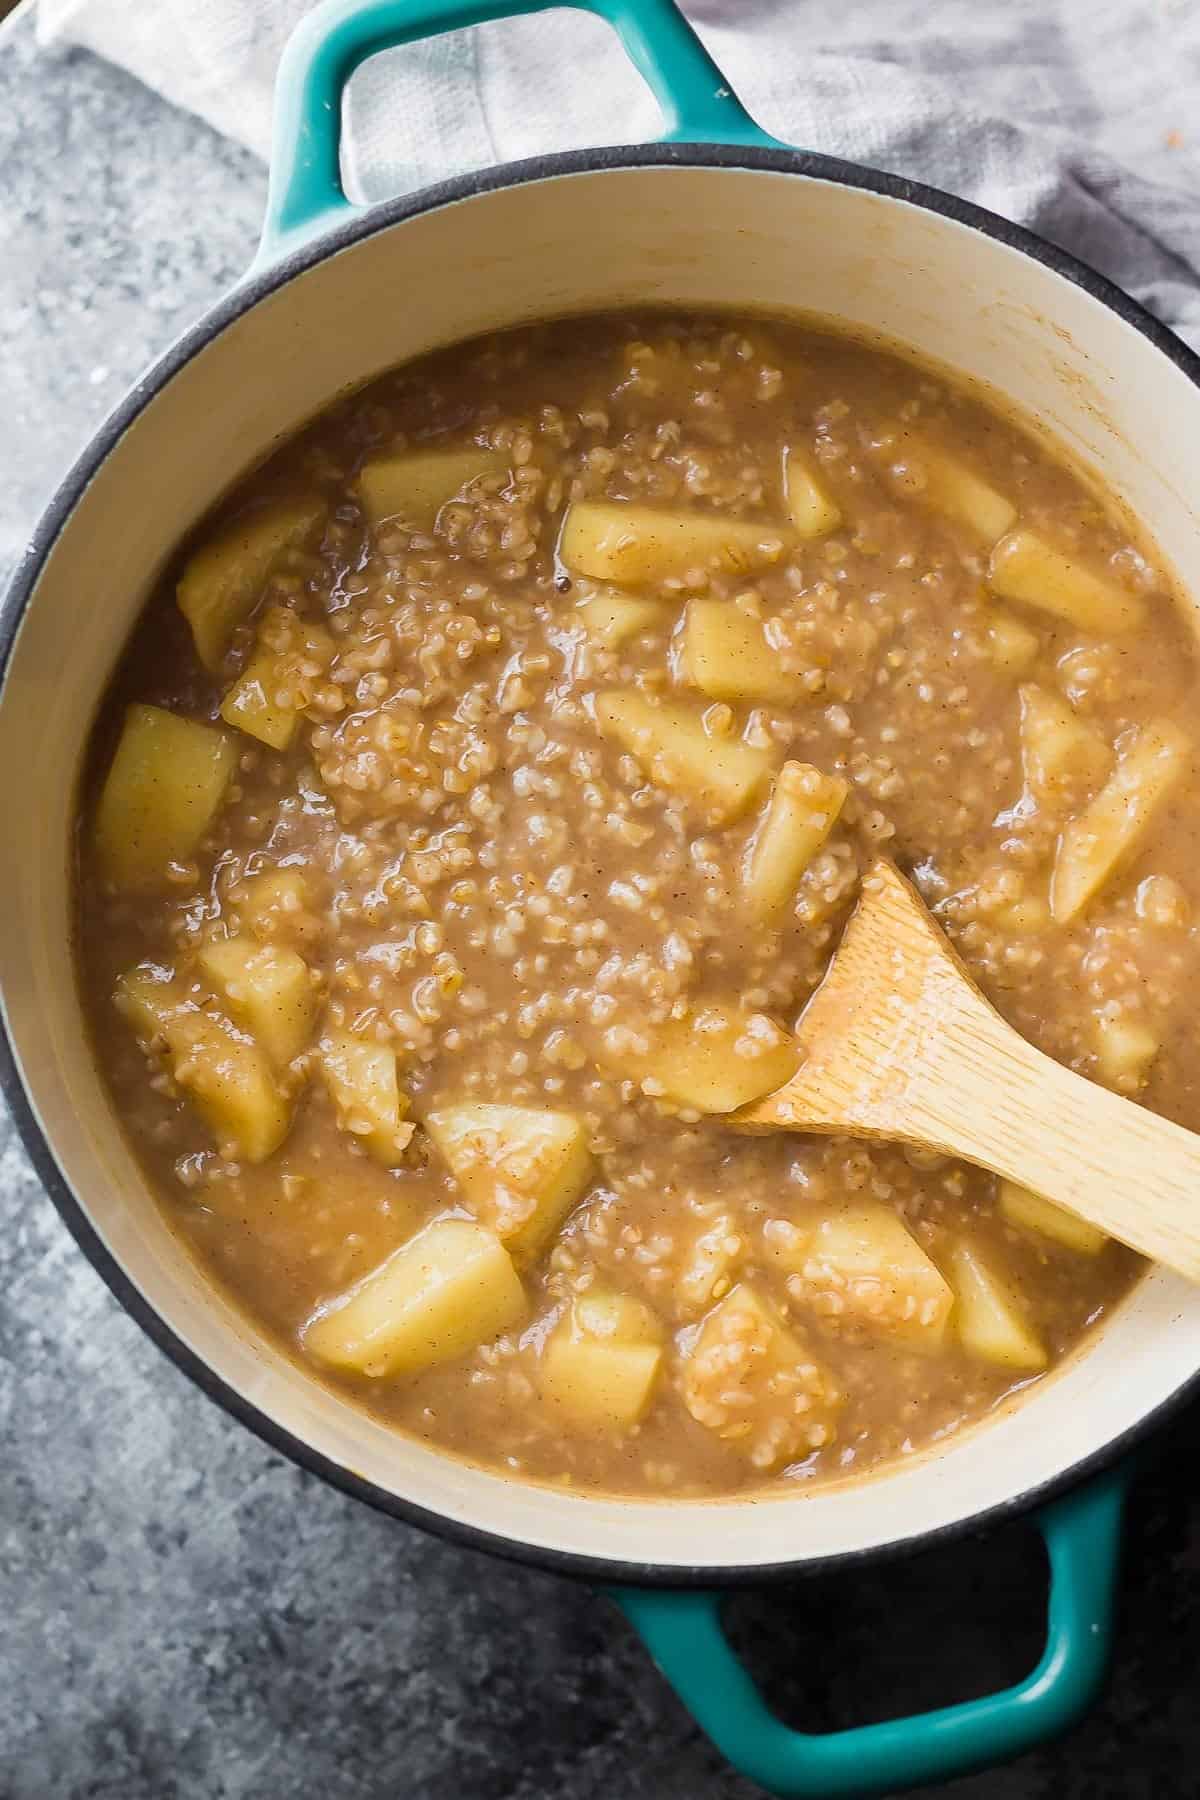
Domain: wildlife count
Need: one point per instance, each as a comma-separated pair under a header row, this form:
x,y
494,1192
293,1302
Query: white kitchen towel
x,y
1080,118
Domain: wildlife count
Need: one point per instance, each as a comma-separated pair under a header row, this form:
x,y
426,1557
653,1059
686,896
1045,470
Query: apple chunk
x,y
520,1167
225,1075
1025,567
163,790
1106,835
599,1367
1028,1211
615,541
447,1290
802,811
724,652
363,1082
719,776
717,1059
414,486
991,1323
280,678
224,578
811,507
750,1377
868,1268
267,988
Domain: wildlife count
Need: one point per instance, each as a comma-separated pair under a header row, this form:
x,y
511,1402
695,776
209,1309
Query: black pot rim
x,y
595,1569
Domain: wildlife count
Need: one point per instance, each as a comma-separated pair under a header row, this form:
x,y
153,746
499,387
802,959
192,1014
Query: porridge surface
x,y
465,844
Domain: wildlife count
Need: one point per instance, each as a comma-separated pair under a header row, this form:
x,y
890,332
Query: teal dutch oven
x,y
716,214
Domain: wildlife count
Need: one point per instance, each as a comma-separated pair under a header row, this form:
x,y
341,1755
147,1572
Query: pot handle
x,y
683,1633
305,193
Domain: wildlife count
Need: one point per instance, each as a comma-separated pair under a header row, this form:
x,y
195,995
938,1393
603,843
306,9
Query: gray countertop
x,y
184,1615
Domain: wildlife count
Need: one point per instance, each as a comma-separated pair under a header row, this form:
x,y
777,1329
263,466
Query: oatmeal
x,y
483,796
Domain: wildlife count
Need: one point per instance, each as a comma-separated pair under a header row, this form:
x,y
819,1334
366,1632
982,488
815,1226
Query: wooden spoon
x,y
899,1043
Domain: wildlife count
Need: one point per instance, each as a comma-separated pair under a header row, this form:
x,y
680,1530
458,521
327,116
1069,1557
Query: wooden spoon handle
x,y
899,1043
1132,1173
976,1089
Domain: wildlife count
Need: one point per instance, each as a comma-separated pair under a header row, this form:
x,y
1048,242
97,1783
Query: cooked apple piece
x,y
223,580
717,1059
1030,1212
265,702
811,507
149,998
801,813
1125,1048
720,776
415,486
706,1266
991,1323
162,792
634,545
752,1379
278,682
724,652
611,618
227,1078
1059,752
277,906
1025,567
603,1313
232,1085
447,1290
363,1083
261,702
520,1167
599,1367
957,491
266,988
1012,646
861,1265
1107,834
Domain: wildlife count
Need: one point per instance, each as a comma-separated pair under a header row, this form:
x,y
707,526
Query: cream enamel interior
x,y
698,236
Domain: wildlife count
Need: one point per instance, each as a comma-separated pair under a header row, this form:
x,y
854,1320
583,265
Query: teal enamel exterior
x,y
305,194
682,1630
684,1636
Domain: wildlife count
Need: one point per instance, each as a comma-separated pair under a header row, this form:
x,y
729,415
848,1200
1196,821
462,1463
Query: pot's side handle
x,y
683,1633
305,192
